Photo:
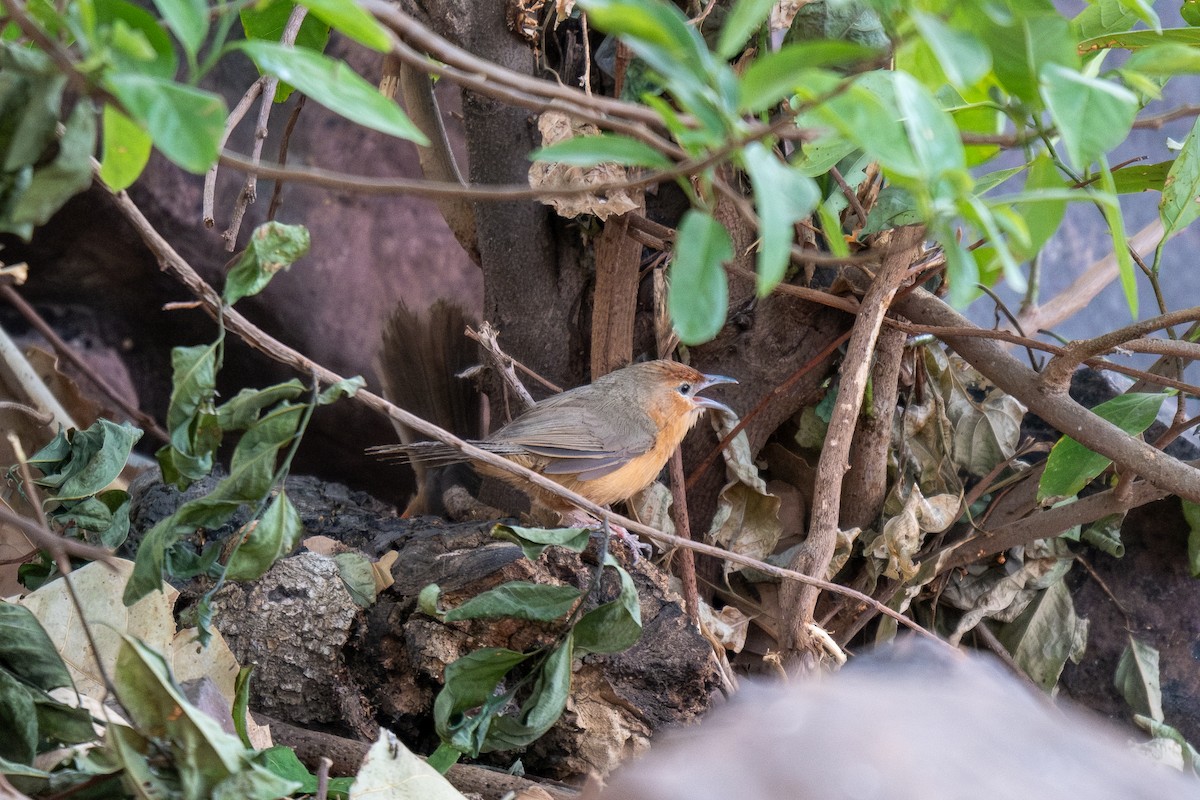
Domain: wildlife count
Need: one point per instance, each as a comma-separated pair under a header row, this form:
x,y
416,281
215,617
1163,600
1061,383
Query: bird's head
x,y
676,391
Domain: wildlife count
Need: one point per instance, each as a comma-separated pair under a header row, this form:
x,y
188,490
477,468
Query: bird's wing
x,y
576,439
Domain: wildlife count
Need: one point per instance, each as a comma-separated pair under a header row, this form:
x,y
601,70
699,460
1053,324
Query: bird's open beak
x,y
708,402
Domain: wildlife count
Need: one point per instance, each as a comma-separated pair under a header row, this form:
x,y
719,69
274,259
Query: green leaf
x,y
1165,60
115,14
19,718
185,123
1093,115
613,626
699,292
470,683
1137,679
961,55
275,535
1116,228
543,707
268,22
894,208
1101,18
273,246
346,387
1022,50
1136,40
534,541
1105,535
357,576
774,76
782,197
84,462
240,411
353,21
126,149
1190,11
191,423
1180,204
587,151
519,600
746,17
241,704
251,475
27,652
68,174
1045,635
209,761
58,722
1071,466
899,123
1044,217
104,517
657,31
1141,177
1191,513
334,85
188,20
282,761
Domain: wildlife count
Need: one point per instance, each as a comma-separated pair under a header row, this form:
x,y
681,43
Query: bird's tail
x,y
436,454
418,363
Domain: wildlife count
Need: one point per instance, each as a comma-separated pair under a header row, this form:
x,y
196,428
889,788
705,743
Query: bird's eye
x,y
685,388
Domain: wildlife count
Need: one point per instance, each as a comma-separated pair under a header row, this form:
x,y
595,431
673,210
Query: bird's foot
x,y
581,519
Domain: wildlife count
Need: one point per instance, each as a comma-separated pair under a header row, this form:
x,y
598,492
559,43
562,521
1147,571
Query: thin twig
x,y
501,362
683,527
61,557
1057,374
249,192
231,122
284,141
40,417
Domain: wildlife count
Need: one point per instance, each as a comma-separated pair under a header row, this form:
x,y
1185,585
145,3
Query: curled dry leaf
x,y
986,422
747,516
555,127
1002,592
904,531
726,627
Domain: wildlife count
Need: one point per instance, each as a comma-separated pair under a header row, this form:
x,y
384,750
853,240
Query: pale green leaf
x,y
587,151
1180,204
1071,466
782,197
961,55
126,150
334,85
1093,115
746,17
185,123
1137,679
352,20
698,299
188,20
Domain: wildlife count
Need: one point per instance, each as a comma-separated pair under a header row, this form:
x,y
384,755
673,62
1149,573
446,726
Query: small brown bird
x,y
606,441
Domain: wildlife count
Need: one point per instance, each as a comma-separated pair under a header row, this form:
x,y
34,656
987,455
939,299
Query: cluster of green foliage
x,y
473,712
961,70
